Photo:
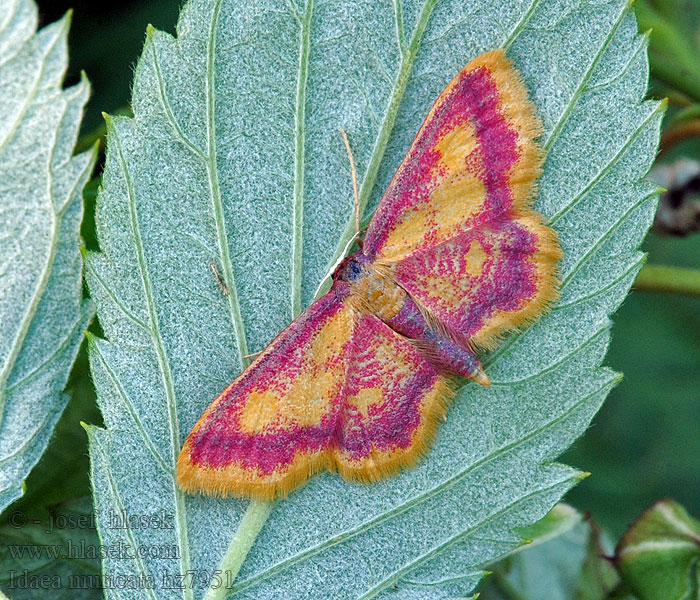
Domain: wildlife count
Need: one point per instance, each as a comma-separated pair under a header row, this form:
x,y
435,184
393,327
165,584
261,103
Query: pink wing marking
x,y
473,96
482,272
394,398
221,439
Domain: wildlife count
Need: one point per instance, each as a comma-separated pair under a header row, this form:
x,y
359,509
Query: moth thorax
x,y
380,295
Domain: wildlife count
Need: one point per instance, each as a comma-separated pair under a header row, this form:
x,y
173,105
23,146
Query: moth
x,y
453,258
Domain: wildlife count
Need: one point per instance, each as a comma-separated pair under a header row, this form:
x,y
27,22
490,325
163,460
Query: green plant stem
x,y
248,529
675,74
678,132
670,280
686,114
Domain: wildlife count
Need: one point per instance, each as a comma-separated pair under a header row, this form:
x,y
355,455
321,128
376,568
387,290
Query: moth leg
x,y
354,182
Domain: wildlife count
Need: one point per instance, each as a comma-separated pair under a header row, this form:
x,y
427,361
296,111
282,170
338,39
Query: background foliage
x,y
643,445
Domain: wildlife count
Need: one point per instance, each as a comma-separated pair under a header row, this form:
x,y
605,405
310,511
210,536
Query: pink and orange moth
x,y
453,259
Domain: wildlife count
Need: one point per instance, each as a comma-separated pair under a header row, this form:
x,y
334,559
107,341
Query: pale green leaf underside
x,y
41,310
235,158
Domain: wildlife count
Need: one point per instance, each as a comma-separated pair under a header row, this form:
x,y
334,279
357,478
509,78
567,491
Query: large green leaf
x,y
234,157
41,310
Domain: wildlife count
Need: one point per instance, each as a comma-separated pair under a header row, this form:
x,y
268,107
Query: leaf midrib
x,y
299,158
408,56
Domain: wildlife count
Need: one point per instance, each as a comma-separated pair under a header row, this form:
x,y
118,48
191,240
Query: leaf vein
x,y
520,25
39,368
30,440
400,31
131,409
554,366
641,47
416,562
32,307
601,291
127,526
504,349
608,166
167,108
222,236
581,88
35,88
299,158
123,309
605,237
382,139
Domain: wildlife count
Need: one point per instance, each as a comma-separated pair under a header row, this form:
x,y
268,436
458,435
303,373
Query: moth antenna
x,y
354,180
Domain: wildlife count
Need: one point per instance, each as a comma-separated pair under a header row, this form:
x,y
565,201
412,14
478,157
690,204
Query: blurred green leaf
x,y
556,522
58,555
566,563
660,553
674,51
598,576
644,444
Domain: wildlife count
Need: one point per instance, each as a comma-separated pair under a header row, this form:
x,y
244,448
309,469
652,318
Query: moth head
x,y
352,268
